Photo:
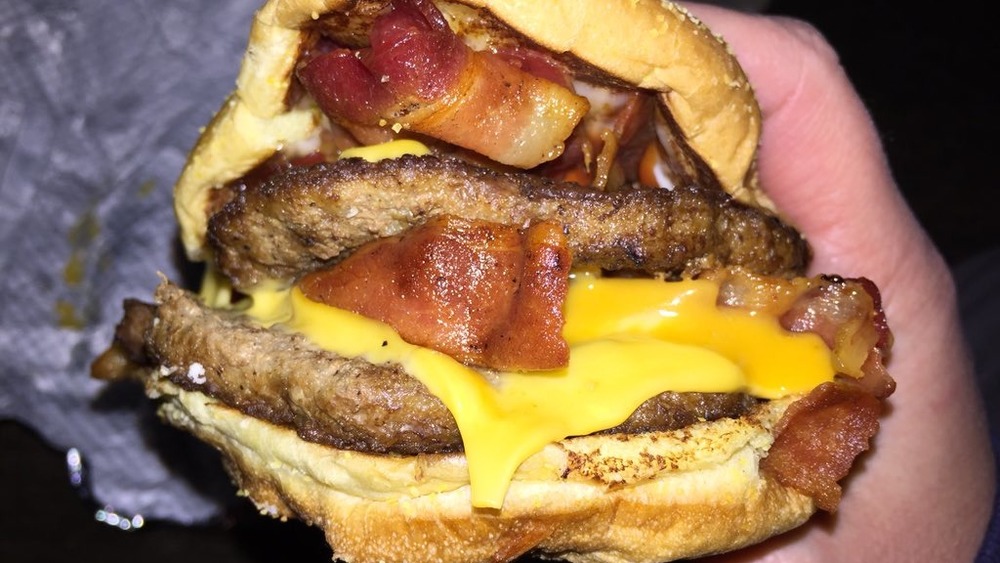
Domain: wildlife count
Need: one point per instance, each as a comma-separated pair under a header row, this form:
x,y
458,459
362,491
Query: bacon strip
x,y
818,439
420,75
820,435
484,293
848,316
846,313
604,151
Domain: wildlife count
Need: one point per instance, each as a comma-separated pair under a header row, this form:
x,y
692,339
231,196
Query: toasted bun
x,y
712,109
652,497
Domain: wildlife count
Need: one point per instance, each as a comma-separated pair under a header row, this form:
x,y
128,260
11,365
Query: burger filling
x,y
445,300
484,96
352,382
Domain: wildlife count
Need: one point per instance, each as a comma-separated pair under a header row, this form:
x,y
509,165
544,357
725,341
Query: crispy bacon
x,y
818,439
604,151
420,75
484,293
846,313
820,435
536,63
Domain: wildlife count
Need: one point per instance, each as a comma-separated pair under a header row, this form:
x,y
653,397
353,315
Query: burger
x,y
486,278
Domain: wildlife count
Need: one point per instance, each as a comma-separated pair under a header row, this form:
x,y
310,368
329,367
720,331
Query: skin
x,y
925,491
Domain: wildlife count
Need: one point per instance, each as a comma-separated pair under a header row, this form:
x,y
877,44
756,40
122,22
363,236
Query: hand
x,y
925,493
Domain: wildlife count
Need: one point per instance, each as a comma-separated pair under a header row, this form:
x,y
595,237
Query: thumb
x,y
821,160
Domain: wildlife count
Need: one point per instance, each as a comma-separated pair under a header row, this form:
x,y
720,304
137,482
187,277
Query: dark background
x,y
924,73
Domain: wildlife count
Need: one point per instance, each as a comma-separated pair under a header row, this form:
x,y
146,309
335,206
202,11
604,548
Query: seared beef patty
x,y
304,218
346,403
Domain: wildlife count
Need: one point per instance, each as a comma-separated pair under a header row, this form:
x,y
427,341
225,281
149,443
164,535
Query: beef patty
x,y
304,218
345,403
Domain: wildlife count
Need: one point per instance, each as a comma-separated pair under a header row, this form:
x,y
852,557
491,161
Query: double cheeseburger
x,y
488,277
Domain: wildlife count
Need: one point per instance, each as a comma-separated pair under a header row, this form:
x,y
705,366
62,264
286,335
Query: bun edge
x,y
698,491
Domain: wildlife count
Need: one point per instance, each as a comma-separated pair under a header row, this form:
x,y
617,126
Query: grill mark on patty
x,y
305,218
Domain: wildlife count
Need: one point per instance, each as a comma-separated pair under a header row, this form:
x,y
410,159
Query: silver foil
x,y
100,102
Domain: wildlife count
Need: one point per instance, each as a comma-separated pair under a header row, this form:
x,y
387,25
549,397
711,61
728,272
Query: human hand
x,y
926,492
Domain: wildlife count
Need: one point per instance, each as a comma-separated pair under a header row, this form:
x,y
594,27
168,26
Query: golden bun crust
x,y
657,45
654,497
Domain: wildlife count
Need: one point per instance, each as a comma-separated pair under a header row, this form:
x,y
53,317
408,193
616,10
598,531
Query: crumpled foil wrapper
x,y
100,102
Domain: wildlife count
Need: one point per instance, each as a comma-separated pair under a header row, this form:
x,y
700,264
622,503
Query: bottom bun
x,y
651,497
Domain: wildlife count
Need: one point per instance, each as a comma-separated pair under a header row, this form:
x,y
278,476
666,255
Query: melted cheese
x,y
390,149
630,340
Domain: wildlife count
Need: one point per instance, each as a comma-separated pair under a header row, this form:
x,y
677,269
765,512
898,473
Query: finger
x,y
821,159
822,163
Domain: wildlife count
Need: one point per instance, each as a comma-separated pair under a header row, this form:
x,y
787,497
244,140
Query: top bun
x,y
713,115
